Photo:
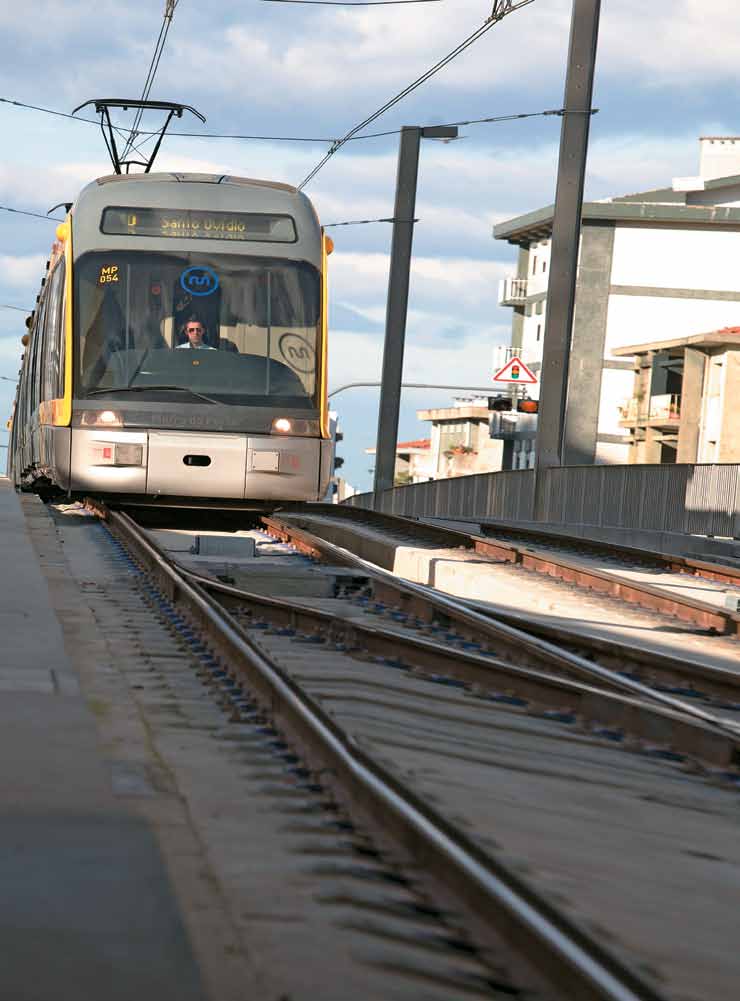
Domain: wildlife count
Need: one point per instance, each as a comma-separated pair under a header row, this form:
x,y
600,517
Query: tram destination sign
x,y
198,224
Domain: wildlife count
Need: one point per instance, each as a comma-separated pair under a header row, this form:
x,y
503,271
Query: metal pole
x,y
484,390
397,306
398,295
566,230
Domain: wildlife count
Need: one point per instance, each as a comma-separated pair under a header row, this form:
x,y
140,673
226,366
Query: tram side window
x,y
18,429
53,376
34,367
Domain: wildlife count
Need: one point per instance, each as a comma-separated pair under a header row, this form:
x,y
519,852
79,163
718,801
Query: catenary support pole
x,y
398,295
397,306
561,287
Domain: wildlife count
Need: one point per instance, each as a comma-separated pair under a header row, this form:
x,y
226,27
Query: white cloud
x,y
455,286
355,357
678,43
22,272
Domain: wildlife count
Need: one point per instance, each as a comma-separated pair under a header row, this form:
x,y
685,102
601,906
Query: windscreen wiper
x,y
144,389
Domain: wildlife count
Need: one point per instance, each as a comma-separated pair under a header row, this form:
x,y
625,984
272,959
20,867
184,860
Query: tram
x,y
178,348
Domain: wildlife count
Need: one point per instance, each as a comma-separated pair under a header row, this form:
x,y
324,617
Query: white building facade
x,y
653,266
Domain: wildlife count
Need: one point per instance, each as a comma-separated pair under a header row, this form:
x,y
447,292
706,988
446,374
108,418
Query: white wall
x,y
729,196
636,319
539,267
616,385
531,347
676,258
719,156
609,453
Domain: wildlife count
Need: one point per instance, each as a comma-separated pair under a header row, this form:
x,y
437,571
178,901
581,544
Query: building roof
x,y
453,414
421,443
726,336
537,225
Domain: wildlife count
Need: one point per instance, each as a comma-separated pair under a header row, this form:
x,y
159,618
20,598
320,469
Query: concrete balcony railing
x,y
512,291
663,409
666,407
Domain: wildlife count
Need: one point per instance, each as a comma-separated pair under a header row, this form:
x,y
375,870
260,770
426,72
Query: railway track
x,y
604,568
298,660
519,642
713,681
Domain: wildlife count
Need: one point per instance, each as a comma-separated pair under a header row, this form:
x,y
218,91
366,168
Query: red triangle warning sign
x,y
515,371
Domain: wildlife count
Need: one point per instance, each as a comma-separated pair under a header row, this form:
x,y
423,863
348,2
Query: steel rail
x,y
725,683
703,568
722,682
701,613
552,654
670,561
641,719
500,901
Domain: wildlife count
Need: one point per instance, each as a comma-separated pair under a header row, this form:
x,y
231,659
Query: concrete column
x,y
587,344
692,386
517,322
729,445
566,228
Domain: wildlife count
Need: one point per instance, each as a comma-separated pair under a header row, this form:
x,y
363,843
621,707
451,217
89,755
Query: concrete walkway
x,y
86,908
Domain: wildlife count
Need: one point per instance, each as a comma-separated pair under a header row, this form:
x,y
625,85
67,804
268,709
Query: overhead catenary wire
x,y
122,132
296,139
357,222
193,135
169,10
38,215
353,3
21,309
372,135
500,11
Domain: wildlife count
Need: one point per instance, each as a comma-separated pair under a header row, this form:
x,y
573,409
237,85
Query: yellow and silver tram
x,y
179,345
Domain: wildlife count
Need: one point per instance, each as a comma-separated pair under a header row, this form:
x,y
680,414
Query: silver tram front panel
x,y
155,415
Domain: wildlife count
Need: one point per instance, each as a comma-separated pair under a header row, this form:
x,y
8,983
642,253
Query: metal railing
x,y
684,499
512,290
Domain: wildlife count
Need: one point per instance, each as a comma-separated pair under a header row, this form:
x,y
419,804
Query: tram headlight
x,y
295,426
97,419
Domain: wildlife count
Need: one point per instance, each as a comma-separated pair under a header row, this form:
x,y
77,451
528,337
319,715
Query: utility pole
x,y
398,296
566,231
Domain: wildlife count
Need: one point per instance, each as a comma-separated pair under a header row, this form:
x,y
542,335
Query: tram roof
x,y
190,178
180,191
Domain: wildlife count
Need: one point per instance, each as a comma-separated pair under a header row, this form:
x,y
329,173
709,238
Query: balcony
x,y
658,411
512,292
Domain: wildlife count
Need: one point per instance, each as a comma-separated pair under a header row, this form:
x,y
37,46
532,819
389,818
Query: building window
x,y
538,308
539,330
544,266
534,264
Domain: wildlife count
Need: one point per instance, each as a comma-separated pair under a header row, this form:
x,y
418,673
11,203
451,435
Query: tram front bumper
x,y
195,464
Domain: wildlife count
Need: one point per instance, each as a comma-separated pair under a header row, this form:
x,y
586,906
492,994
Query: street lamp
x,y
398,294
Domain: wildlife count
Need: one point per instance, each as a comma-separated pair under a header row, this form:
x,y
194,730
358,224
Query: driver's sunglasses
x,y
194,330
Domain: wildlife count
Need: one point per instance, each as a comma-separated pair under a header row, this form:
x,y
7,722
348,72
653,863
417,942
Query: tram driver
x,y
195,332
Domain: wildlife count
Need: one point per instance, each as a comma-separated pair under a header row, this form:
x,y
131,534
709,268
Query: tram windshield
x,y
227,327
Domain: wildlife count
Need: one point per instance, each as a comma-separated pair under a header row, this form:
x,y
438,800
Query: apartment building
x,y
685,403
655,265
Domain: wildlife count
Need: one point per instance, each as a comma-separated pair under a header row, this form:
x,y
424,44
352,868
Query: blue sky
x,y
667,73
